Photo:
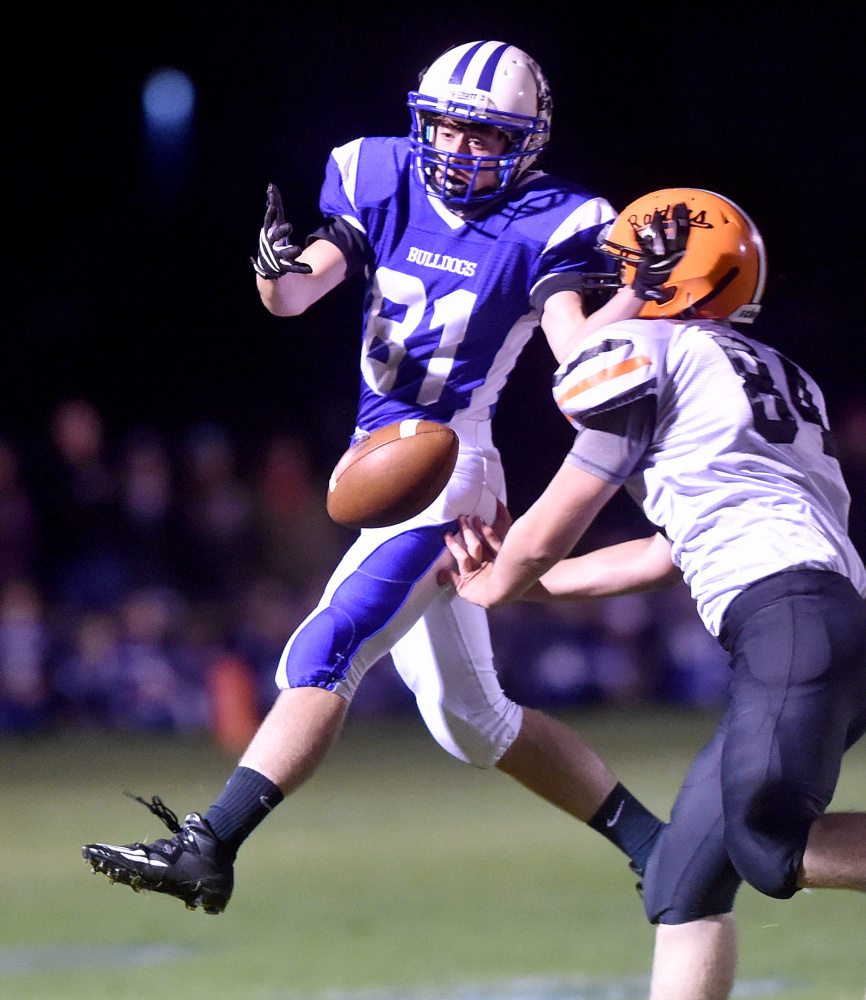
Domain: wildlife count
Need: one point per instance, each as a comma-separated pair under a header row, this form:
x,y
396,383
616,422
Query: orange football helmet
x,y
723,271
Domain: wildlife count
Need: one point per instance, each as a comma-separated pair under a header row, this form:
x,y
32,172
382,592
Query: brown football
x,y
392,474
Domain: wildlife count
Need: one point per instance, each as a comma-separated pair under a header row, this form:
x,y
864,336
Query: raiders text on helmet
x,y
723,271
480,83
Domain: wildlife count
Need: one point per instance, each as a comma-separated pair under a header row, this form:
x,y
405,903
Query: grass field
x,y
395,873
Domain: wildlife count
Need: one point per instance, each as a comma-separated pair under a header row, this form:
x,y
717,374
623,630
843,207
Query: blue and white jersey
x,y
448,300
724,443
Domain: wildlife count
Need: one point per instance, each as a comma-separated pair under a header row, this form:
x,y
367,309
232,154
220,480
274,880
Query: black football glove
x,y
276,255
661,251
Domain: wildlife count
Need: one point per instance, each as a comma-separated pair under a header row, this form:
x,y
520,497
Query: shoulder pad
x,y
605,373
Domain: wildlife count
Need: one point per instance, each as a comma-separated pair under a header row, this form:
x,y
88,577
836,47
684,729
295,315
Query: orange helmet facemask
x,y
723,271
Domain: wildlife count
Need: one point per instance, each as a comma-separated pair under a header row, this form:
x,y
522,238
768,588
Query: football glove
x,y
277,254
661,251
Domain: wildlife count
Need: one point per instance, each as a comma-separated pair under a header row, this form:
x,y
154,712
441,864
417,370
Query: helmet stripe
x,y
463,63
485,79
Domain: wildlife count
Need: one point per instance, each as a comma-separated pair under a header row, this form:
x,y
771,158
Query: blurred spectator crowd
x,y
152,586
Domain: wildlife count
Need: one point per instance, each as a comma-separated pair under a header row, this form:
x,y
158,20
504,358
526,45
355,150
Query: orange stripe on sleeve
x,y
605,375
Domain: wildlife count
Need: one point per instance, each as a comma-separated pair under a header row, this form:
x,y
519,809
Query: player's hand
x,y
277,255
501,524
474,552
662,248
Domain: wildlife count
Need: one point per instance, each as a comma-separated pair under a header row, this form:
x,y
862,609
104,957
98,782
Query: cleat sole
x,y
119,876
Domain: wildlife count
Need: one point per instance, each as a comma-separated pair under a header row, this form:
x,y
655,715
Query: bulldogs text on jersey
x,y
447,307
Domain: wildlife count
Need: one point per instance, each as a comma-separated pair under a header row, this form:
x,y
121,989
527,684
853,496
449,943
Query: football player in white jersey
x,y
466,248
724,443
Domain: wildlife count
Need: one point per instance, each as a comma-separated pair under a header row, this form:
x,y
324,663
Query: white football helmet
x,y
481,83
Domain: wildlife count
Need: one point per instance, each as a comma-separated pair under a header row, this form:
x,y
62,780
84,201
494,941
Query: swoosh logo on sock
x,y
613,820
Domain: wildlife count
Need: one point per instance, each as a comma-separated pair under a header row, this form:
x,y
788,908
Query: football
x,y
392,474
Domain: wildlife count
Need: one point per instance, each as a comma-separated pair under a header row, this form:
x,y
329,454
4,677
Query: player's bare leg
x,y
696,960
835,855
296,735
551,760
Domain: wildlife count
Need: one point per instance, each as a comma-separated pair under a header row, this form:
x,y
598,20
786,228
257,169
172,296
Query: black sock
x,y
629,825
244,802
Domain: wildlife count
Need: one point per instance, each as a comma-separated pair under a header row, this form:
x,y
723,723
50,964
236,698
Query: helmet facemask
x,y
453,176
481,84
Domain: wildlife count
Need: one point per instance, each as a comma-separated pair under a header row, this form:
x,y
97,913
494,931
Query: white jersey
x,y
722,441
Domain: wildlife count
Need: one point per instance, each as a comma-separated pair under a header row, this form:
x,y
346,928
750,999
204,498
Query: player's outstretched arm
x,y
565,325
630,567
290,278
546,533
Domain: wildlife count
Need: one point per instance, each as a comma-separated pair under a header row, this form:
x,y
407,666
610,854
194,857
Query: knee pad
x,y
663,905
766,839
368,604
476,738
319,652
447,662
688,878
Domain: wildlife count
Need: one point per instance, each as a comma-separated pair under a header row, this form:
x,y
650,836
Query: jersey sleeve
x,y
572,252
615,442
338,194
344,226
349,240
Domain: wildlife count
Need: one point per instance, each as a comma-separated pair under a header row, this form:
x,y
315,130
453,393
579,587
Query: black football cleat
x,y
192,865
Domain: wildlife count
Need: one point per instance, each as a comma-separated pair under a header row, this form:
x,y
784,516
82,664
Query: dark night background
x,y
131,284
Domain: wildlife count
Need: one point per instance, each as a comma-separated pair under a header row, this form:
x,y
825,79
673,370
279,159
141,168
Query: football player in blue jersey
x,y
725,444
466,248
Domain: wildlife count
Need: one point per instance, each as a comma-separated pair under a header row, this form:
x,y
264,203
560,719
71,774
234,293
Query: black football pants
x,y
797,642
